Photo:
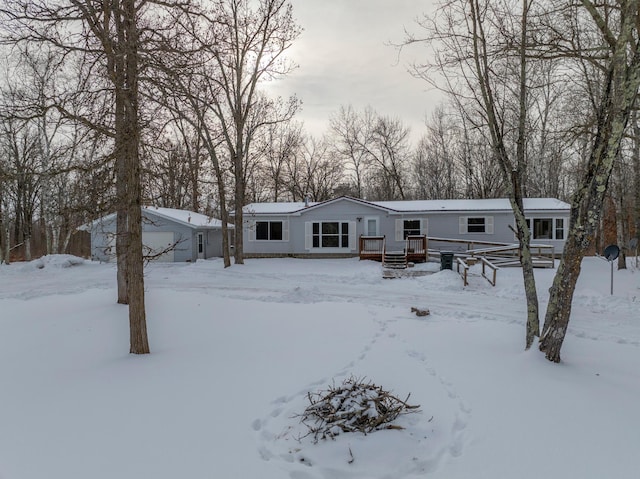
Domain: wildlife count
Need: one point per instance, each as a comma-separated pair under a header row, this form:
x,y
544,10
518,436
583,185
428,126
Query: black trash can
x,y
446,260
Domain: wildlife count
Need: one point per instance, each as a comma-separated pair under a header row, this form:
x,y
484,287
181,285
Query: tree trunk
x,y
135,267
636,181
4,238
619,95
513,172
533,316
559,307
238,244
122,247
621,231
122,221
517,182
7,243
27,248
65,244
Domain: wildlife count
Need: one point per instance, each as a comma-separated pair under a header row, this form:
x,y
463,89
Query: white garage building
x,y
168,235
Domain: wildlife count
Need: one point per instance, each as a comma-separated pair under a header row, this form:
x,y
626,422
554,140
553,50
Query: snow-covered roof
x,y
185,217
494,204
427,206
277,208
189,218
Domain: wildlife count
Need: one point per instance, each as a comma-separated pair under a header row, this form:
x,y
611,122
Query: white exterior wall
x,y
445,224
185,238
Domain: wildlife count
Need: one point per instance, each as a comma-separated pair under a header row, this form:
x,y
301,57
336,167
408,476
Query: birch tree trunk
x,y
618,98
636,182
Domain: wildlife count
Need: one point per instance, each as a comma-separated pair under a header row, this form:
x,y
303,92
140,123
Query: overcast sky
x,y
344,59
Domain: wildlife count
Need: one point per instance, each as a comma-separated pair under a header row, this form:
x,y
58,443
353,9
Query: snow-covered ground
x,y
235,352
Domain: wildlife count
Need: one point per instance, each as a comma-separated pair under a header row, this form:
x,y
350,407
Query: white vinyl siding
x,y
307,235
352,235
251,230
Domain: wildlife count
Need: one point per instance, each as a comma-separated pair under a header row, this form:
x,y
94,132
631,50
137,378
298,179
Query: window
x,y
410,227
542,228
476,224
547,228
200,243
330,234
559,229
270,231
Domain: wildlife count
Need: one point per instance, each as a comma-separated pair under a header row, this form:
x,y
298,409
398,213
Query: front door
x,y
371,226
201,246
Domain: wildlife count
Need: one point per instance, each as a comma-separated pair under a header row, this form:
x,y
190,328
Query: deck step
x,y
395,260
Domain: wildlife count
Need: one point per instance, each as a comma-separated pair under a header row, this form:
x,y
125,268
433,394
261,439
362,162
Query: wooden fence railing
x,y
372,247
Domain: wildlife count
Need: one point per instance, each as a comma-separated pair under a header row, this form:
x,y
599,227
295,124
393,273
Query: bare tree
x,y
619,54
435,168
278,145
350,132
635,152
247,46
104,40
313,173
376,150
483,52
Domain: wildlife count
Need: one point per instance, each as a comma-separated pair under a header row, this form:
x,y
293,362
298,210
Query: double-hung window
x,y
330,234
410,227
476,224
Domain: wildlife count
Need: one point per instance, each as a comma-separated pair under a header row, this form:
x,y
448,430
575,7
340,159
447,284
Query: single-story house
x,y
336,227
171,235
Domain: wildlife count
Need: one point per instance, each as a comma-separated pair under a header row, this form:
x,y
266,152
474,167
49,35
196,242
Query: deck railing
x,y
500,254
488,264
465,270
416,248
372,247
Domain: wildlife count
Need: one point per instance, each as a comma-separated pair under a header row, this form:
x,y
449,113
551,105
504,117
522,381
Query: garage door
x,y
156,242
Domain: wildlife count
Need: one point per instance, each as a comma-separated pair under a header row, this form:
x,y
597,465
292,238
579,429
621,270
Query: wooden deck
x,y
416,250
499,254
374,248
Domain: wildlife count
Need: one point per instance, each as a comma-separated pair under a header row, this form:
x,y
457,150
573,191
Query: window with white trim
x,y
330,234
268,230
559,229
476,224
547,228
410,227
276,230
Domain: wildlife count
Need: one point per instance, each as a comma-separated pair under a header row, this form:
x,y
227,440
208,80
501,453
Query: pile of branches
x,y
354,406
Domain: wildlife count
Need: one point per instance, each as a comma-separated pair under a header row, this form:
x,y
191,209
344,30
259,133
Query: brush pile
x,y
354,406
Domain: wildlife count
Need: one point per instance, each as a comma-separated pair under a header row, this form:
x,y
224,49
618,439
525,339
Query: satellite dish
x,y
633,243
611,252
